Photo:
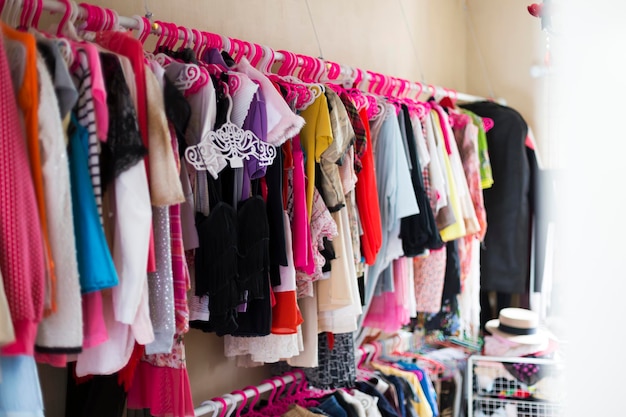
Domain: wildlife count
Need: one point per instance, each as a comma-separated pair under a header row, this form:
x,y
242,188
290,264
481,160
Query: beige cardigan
x,y
165,186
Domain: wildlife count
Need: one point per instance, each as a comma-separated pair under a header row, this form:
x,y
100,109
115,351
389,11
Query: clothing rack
x,y
214,406
136,23
402,341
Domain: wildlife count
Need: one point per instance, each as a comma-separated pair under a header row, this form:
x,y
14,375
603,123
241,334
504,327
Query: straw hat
x,y
518,325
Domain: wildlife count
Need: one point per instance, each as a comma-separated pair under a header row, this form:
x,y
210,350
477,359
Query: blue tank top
x,y
95,264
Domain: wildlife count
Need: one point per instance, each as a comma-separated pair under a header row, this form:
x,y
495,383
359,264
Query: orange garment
x,y
367,200
28,102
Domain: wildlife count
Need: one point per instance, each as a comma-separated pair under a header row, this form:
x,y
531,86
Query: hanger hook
x,y
185,35
233,405
268,59
115,20
293,385
257,55
358,77
281,387
35,19
27,8
224,405
270,400
243,402
287,63
66,16
174,36
256,398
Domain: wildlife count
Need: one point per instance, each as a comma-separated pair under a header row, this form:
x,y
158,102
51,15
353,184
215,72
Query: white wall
x,y
503,42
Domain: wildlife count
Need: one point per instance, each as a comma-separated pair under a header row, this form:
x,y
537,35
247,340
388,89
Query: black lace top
x,y
124,146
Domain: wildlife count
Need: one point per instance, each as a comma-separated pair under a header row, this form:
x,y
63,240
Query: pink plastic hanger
x,y
172,38
317,69
256,54
289,63
224,405
391,87
243,402
401,87
321,69
233,404
35,19
308,67
267,60
357,78
162,35
419,91
304,66
376,87
333,70
115,19
292,386
197,41
91,18
236,45
202,43
99,18
257,396
106,19
240,50
285,396
205,43
66,16
384,86
244,51
186,36
281,388
266,410
144,28
25,15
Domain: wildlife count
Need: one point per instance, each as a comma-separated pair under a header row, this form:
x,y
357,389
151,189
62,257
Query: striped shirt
x,y
86,115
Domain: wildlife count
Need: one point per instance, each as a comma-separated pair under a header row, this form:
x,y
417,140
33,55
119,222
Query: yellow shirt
x,y
456,229
422,407
315,137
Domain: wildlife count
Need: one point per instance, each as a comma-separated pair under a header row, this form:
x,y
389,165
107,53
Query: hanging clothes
x,y
22,263
61,332
396,196
288,255
505,257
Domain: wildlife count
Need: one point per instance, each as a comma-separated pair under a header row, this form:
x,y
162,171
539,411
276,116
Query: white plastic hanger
x,y
229,143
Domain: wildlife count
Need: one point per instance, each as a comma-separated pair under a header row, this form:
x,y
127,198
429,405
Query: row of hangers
x,y
305,78
292,387
293,70
379,350
285,390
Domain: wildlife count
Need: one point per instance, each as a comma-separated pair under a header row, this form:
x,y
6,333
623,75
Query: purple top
x,y
256,122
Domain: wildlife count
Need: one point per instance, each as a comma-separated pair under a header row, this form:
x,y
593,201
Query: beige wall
x,y
371,35
510,42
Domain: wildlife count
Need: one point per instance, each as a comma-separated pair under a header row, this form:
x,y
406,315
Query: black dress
x,y
505,255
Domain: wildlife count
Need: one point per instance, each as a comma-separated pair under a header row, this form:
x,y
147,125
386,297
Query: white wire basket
x,y
514,387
